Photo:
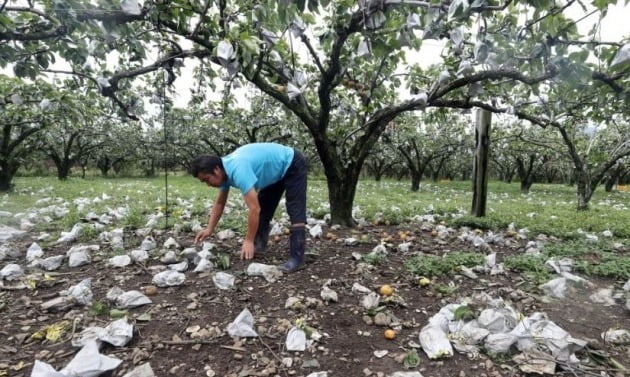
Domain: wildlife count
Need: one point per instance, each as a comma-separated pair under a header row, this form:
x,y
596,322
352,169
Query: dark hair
x,y
205,164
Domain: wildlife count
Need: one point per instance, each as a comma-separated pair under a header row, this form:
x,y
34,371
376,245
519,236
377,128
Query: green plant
x,y
374,258
532,266
98,308
445,289
223,261
431,265
117,313
412,359
135,218
485,223
464,313
88,233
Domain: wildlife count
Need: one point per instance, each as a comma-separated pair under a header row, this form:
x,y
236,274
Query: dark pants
x,y
294,183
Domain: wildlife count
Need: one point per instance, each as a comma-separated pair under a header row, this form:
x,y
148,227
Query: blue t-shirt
x,y
256,165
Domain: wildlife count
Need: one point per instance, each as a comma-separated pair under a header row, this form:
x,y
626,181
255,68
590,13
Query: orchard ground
x,y
349,337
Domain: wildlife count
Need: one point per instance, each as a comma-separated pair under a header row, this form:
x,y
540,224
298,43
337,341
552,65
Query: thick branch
x,y
609,80
334,68
489,75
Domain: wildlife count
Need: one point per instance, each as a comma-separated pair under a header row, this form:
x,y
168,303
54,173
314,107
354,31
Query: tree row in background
x,y
336,68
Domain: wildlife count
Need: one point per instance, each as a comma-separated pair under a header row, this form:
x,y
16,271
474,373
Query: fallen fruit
x,y
150,290
386,290
389,334
424,282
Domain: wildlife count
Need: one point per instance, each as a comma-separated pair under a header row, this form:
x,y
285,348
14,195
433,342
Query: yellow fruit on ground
x,y
386,290
424,282
389,334
434,233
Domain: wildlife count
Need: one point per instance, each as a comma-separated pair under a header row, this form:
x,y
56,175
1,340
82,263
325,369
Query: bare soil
x,y
348,343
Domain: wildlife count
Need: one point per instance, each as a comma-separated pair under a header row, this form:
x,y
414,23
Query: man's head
x,y
208,169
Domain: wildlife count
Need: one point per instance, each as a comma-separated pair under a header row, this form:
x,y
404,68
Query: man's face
x,y
214,179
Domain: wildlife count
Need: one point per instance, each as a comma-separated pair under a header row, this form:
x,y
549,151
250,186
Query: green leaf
x,y
602,4
464,313
98,308
412,359
117,313
223,261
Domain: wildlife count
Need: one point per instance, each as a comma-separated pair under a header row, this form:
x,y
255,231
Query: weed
x,y
135,218
223,261
485,223
464,312
431,265
412,360
88,233
532,266
445,289
374,258
98,308
611,265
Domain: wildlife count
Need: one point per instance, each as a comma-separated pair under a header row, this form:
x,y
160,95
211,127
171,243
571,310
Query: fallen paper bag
x,y
270,273
296,340
81,292
88,362
143,370
131,299
168,278
535,361
223,280
435,343
243,325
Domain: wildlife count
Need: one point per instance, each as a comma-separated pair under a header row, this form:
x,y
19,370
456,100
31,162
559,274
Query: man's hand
x,y
247,250
202,235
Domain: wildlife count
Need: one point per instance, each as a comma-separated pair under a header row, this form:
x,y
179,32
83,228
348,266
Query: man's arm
x,y
251,200
215,215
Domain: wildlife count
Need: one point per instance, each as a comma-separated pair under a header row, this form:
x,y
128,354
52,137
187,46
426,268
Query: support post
x,y
480,163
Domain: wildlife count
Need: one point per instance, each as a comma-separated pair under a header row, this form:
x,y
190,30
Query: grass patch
x,y
433,266
374,258
547,209
531,266
595,259
485,223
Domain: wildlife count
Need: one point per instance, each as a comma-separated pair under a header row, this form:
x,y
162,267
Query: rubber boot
x,y
297,244
261,239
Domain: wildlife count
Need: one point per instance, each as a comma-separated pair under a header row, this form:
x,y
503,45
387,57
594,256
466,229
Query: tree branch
x,y
313,53
201,16
609,80
334,68
490,75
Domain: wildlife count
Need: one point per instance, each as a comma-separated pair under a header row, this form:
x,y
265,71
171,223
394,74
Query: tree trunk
x,y
612,179
6,176
525,173
416,177
341,192
584,191
5,180
525,186
63,169
104,165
